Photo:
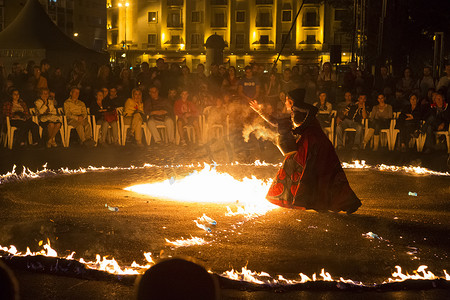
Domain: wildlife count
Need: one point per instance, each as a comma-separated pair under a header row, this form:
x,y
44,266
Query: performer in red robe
x,y
311,177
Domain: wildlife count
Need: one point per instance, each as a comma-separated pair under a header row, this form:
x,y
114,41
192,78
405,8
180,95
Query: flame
x,y
193,241
112,266
426,275
101,264
209,185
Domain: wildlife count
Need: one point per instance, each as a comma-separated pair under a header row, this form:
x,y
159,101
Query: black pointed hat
x,y
298,95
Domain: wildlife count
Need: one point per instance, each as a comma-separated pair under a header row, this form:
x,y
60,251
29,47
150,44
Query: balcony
x,y
175,2
219,2
264,2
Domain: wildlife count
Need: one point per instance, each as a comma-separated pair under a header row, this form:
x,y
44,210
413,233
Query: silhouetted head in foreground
x,y
9,288
176,279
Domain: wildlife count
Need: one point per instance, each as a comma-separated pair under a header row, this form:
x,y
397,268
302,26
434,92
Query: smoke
x,y
258,128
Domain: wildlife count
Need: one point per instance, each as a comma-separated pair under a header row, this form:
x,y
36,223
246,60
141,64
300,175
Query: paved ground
x,y
70,211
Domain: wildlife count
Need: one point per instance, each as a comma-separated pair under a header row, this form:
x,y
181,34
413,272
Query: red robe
x,y
312,177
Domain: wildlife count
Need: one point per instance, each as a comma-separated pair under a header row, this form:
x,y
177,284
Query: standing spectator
x,y
187,114
157,109
199,77
406,84
353,114
408,122
48,116
35,84
134,115
384,84
185,79
310,86
286,83
326,81
18,76
45,68
350,77
57,84
215,80
76,113
105,116
296,77
444,82
144,78
103,77
379,118
425,83
324,110
230,83
17,111
272,89
437,119
248,86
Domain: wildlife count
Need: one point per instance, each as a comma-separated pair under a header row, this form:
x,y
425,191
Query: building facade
x,y
254,30
83,20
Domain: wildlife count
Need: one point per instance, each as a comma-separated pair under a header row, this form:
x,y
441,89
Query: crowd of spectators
x,y
173,97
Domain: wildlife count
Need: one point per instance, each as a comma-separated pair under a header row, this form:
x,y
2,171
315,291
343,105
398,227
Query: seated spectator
x,y
408,122
9,287
341,107
177,278
437,119
187,114
134,115
105,116
399,101
17,111
324,112
444,81
113,99
76,113
379,118
157,109
353,116
48,116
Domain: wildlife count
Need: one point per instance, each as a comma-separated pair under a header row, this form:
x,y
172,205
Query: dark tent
x,y
33,36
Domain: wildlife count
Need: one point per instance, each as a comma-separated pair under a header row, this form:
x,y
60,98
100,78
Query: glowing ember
x,y
193,241
208,185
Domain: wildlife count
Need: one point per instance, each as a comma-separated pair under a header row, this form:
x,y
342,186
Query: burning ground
x,y
392,228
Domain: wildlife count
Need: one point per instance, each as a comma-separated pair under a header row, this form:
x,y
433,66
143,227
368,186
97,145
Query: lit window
x,y
153,17
175,39
264,39
311,39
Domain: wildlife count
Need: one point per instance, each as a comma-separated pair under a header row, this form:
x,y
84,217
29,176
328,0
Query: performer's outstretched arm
x,y
257,108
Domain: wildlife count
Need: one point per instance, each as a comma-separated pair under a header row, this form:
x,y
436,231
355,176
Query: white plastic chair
x,y
189,130
330,130
9,134
446,134
220,129
124,128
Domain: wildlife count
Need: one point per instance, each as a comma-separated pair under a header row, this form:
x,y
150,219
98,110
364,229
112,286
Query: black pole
x,y
288,35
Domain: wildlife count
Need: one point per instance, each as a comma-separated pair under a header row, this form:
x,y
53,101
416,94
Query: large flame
x,y
209,185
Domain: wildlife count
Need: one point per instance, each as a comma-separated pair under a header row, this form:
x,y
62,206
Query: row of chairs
x,y
388,137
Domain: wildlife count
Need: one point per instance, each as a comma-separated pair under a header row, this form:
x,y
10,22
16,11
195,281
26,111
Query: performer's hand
x,y
255,106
